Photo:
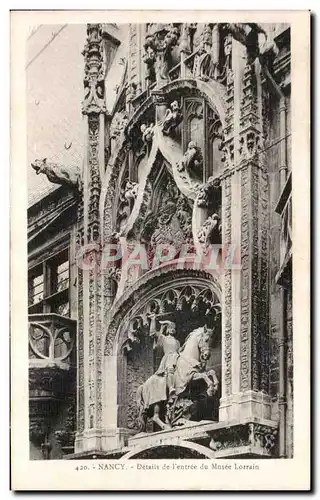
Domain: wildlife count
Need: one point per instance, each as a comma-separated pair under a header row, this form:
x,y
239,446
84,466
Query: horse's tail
x,y
139,396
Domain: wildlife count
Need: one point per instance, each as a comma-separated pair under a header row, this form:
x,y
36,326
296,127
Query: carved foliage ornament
x,y
94,97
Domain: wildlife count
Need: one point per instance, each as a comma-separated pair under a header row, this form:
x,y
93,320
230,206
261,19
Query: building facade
x,y
160,298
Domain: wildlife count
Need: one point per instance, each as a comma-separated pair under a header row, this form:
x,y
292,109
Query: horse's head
x,y
39,165
205,343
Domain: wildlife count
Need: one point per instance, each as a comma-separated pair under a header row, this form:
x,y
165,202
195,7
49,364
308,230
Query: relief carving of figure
x,y
166,340
172,118
203,68
210,232
147,133
164,392
192,160
118,125
131,190
149,58
58,174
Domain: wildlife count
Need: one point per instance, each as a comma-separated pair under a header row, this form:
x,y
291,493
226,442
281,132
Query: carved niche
x,y
201,139
168,221
188,306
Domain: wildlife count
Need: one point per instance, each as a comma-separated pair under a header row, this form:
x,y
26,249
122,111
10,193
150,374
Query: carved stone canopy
x,y
182,304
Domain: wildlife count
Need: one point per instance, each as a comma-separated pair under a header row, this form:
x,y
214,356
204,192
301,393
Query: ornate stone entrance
x,y
189,298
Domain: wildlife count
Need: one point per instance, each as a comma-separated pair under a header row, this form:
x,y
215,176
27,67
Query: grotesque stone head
x,y
39,165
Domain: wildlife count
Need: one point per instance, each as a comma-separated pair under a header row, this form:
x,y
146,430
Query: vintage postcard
x,y
160,250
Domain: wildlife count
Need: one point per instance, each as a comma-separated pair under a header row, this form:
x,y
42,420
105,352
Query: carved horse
x,y
190,366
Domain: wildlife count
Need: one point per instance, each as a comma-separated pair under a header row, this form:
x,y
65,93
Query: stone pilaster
x,y
245,213
89,397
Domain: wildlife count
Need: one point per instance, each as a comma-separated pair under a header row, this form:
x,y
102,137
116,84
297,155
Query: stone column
x,y
245,225
89,396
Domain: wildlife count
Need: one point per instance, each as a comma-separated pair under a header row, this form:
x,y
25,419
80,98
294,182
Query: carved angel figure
x,y
172,118
192,160
131,190
58,174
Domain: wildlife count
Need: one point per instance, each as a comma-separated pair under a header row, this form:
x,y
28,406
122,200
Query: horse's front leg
x,y
204,376
214,378
157,420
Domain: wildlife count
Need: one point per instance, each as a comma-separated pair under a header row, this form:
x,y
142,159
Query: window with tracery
x,y
48,285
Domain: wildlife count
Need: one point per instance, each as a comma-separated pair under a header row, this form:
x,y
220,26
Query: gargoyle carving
x,y
192,160
58,174
172,118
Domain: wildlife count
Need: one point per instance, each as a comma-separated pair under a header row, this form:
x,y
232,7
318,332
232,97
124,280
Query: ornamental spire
x,y
94,95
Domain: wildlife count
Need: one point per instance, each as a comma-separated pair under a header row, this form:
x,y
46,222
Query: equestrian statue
x,y
165,396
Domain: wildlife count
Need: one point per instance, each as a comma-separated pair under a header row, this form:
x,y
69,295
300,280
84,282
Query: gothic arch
x,y
214,92
120,339
143,290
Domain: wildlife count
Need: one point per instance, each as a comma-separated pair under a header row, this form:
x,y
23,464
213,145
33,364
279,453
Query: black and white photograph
x,y
159,217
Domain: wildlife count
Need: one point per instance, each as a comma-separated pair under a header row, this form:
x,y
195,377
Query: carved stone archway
x,y
118,392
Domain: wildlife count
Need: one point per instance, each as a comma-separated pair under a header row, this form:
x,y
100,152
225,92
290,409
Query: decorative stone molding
x,y
65,436
252,439
90,283
94,98
245,439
